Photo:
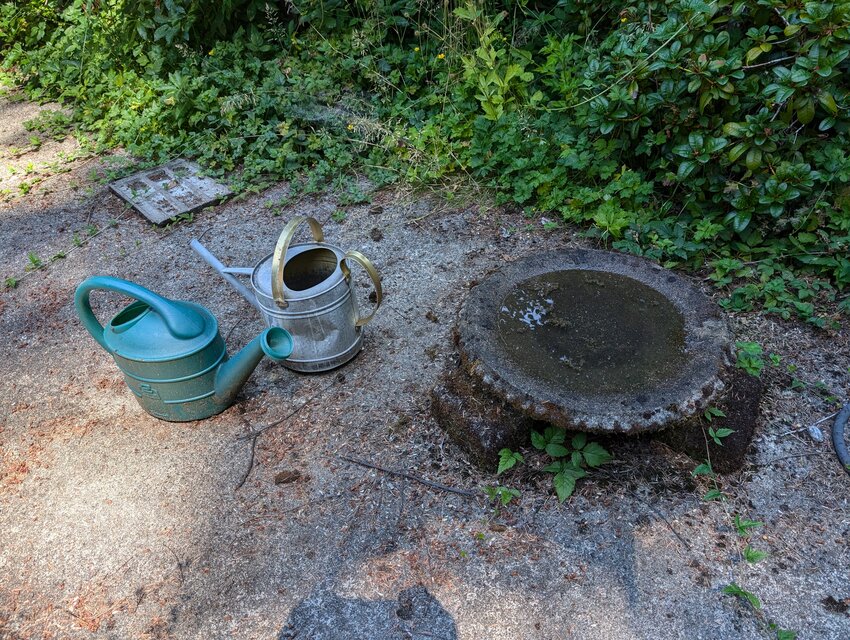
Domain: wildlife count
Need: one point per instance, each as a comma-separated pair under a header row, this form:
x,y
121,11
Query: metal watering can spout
x,y
276,343
171,353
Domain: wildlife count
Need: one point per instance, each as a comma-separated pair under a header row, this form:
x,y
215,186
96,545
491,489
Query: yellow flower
x,y
440,56
212,52
624,19
416,48
350,127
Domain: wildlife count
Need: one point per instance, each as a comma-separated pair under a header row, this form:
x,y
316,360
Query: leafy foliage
x,y
733,589
691,132
569,463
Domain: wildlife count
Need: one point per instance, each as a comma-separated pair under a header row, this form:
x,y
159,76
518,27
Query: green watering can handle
x,y
182,322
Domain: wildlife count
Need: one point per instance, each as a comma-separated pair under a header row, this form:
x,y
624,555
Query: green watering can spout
x,y
276,343
171,353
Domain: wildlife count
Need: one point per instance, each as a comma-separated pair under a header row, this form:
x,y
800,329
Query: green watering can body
x,y
171,353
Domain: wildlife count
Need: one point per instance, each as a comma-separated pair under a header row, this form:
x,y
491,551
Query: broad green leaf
x,y
713,494
786,634
579,440
538,441
555,434
734,129
738,150
556,450
685,169
595,454
828,102
753,160
806,111
508,459
703,469
564,485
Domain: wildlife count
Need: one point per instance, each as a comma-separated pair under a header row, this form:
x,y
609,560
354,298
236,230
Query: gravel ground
x,y
114,524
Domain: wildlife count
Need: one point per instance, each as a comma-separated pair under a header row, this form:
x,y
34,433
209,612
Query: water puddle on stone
x,y
592,332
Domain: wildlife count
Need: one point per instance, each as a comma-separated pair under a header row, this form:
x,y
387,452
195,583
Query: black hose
x,y
838,437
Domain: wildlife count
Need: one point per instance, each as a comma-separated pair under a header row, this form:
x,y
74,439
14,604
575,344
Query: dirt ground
x,y
114,524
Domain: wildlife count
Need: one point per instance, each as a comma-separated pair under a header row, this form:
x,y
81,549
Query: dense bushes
x,y
687,131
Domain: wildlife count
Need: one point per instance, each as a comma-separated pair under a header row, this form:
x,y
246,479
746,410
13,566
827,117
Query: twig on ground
x,y
796,455
179,563
664,518
250,464
253,435
409,476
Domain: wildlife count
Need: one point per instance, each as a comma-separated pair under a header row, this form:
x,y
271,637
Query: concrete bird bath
x,y
592,341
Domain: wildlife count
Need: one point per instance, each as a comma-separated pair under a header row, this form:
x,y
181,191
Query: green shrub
x,y
689,132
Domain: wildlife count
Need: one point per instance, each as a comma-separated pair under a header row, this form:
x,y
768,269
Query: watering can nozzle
x,y
276,343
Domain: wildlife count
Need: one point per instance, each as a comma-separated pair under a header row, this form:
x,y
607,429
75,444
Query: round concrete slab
x,y
595,341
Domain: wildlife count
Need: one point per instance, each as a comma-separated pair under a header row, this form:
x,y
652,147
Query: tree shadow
x,y
415,615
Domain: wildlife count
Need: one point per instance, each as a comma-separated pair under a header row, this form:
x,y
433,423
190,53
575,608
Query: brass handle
x,y
279,258
364,262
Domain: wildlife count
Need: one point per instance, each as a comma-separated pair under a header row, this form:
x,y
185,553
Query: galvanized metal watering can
x,y
171,353
306,289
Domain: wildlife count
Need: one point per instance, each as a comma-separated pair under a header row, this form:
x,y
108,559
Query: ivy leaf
x,y
595,454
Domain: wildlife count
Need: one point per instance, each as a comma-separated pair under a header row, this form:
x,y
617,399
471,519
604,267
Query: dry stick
x,y
256,434
796,455
666,521
409,476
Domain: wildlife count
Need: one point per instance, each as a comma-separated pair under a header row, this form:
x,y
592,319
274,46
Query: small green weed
x,y
34,261
501,495
749,358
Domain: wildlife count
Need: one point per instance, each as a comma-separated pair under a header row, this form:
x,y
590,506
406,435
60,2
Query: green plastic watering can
x,y
171,353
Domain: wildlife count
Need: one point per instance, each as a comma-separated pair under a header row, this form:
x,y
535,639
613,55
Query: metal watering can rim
x,y
279,262
278,259
292,295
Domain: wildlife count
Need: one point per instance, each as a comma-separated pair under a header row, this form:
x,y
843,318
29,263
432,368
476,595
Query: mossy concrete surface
x,y
114,524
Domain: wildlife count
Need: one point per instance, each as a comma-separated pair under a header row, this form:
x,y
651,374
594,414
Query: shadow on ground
x,y
415,615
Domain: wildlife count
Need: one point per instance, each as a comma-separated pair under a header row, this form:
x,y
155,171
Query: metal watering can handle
x,y
181,321
279,259
364,262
